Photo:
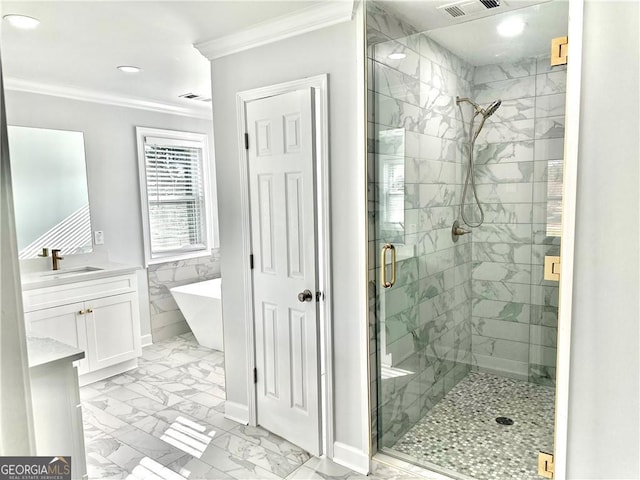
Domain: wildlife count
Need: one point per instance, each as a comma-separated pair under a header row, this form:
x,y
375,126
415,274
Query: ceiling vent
x,y
470,7
195,96
490,3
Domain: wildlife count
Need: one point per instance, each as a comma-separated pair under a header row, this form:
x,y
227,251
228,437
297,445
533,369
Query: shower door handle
x,y
383,262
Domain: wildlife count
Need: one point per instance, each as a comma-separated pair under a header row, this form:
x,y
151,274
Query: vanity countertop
x,y
72,274
46,351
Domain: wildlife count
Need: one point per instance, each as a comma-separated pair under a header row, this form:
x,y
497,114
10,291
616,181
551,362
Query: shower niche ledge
x,y
97,315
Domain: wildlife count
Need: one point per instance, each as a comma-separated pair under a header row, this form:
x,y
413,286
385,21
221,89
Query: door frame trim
x,y
320,83
567,245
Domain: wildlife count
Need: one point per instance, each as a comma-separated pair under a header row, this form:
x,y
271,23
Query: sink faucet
x,y
55,257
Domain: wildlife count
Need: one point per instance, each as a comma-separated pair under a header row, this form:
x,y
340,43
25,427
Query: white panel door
x,y
281,178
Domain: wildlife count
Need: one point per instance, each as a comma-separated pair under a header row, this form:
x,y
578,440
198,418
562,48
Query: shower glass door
x,y
465,325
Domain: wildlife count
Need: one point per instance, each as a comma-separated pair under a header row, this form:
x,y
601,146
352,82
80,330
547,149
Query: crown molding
x,y
296,23
86,95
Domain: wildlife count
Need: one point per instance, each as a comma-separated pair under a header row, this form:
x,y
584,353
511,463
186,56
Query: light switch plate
x,y
99,237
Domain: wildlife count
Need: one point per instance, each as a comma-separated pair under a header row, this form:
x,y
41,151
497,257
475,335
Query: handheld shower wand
x,y
470,178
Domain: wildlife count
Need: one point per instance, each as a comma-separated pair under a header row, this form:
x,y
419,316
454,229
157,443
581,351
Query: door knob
x,y
305,296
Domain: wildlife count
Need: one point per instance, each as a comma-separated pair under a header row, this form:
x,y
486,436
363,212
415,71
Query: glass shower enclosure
x,y
464,322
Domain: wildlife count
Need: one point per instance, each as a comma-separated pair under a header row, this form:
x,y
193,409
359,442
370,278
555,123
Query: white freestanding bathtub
x,y
201,305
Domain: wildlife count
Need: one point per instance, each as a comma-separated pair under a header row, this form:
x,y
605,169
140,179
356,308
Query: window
x,y
554,198
174,187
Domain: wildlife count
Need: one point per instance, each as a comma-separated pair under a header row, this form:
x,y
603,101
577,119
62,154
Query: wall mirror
x,y
50,192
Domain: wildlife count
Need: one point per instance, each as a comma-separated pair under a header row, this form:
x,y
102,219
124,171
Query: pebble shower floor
x,y
461,434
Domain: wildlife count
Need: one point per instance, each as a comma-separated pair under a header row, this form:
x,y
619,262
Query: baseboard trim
x,y
351,457
146,340
236,412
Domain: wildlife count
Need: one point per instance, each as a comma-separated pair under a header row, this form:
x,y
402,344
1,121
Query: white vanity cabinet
x,y
99,316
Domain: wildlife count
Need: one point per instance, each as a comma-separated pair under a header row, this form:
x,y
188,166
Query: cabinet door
x,y
65,324
113,330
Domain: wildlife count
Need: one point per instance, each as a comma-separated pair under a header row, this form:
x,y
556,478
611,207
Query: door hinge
x,y
552,268
255,375
251,261
559,49
246,141
546,467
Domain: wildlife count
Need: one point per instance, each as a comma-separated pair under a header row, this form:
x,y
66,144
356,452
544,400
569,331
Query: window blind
x,y
175,195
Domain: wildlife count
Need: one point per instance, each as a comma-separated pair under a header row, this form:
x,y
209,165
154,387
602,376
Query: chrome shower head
x,y
491,109
485,112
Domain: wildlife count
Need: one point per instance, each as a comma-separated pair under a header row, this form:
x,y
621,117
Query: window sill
x,y
177,257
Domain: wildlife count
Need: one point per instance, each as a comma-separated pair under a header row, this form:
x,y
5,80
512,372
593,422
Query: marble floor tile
x,y
125,456
165,419
194,469
209,415
88,392
100,467
137,400
152,425
151,446
103,386
150,469
155,392
257,454
266,439
122,411
195,351
147,370
204,398
184,378
171,361
235,467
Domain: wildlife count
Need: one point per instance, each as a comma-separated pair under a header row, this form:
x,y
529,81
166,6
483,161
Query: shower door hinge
x,y
246,141
255,375
546,467
552,268
559,48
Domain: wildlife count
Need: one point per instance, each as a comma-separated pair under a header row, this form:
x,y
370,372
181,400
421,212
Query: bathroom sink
x,y
70,271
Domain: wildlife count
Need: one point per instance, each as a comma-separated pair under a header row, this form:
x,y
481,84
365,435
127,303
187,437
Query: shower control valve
x,y
458,231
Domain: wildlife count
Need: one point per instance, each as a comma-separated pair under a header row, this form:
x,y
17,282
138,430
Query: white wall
x,y
331,50
112,166
604,384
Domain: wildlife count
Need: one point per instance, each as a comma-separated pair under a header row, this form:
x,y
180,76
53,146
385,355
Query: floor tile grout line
x,y
264,442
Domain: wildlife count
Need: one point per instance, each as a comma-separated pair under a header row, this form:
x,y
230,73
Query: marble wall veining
x,y
166,319
423,337
480,303
519,176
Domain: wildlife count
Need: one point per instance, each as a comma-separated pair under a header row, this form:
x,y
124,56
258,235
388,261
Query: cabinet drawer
x,y
41,298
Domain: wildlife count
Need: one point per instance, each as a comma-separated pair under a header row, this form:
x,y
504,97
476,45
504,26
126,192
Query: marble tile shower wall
x,y
166,319
426,330
519,162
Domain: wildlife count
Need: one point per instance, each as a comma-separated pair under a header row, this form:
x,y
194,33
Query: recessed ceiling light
x,y
511,27
397,56
22,21
129,69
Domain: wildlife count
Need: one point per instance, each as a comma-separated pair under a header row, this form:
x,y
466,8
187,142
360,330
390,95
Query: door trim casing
x,y
320,84
567,245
